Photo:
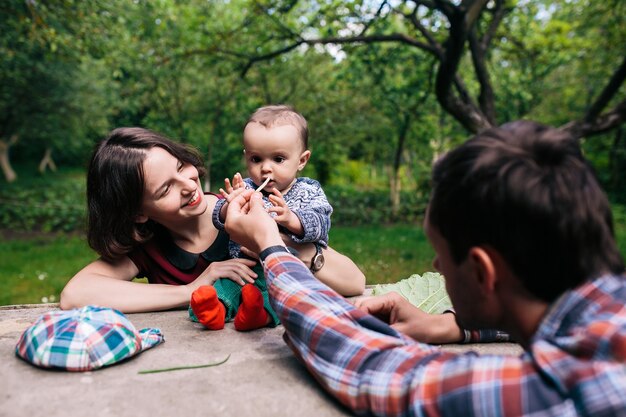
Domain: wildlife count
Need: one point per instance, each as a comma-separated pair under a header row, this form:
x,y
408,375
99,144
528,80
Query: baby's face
x,y
276,152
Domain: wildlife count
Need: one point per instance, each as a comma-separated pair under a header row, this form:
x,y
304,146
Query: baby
x,y
275,142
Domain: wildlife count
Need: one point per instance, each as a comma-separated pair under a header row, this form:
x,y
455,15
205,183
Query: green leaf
x,y
427,292
178,368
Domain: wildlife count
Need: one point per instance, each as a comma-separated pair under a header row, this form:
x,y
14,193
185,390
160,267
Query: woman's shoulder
x,y
212,199
213,195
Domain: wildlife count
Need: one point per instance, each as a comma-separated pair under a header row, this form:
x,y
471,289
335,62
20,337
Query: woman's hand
x,y
403,316
237,270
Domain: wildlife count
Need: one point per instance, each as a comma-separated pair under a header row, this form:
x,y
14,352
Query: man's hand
x,y
249,224
410,320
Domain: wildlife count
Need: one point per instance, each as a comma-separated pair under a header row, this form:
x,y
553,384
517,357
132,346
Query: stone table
x,y
261,378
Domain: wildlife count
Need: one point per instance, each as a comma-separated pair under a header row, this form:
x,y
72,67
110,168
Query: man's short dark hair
x,y
526,190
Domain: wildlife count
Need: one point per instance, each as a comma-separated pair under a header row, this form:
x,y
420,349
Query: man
x,y
523,235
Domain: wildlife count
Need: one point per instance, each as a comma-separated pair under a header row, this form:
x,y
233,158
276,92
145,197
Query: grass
x,y
35,270
385,254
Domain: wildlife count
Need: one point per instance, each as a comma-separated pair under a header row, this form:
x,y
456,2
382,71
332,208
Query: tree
x,y
47,91
464,39
398,82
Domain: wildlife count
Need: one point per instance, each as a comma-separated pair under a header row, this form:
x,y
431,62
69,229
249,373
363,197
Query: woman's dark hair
x,y
115,187
527,191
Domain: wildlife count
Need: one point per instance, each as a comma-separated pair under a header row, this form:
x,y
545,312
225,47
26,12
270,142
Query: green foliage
x,y
72,70
619,219
52,95
189,70
36,269
552,59
357,174
54,203
353,206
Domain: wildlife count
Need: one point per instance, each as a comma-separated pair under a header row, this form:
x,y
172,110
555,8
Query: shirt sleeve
x,y
138,256
373,369
483,335
217,222
314,216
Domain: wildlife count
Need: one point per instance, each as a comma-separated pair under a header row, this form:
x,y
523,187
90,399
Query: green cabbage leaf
x,y
426,291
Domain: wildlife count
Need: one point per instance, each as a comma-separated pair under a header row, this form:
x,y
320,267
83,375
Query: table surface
x,y
262,377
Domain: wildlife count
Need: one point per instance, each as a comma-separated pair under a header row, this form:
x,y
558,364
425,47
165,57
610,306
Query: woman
x,y
148,217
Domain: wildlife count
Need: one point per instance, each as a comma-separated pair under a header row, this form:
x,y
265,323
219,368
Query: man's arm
x,y
403,316
366,364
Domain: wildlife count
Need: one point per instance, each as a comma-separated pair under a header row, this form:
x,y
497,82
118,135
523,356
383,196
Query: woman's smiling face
x,y
172,189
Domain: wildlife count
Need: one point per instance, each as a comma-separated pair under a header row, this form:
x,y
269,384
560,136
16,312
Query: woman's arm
x,y
109,284
339,272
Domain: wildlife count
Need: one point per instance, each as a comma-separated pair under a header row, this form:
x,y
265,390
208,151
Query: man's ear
x,y
304,158
484,265
140,218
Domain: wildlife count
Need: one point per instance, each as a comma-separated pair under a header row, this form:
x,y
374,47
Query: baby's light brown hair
x,y
280,115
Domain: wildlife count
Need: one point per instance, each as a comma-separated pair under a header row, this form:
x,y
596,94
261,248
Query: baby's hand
x,y
231,191
236,184
283,214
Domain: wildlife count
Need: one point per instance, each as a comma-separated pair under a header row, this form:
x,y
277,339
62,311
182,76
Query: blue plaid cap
x,y
83,339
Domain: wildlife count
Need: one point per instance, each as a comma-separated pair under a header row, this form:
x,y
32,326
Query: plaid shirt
x,y
576,364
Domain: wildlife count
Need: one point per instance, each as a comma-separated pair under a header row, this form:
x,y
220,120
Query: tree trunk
x,y
460,106
209,154
215,129
47,162
394,191
5,162
394,177
617,164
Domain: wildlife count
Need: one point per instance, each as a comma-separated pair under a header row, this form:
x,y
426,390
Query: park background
x,y
387,87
